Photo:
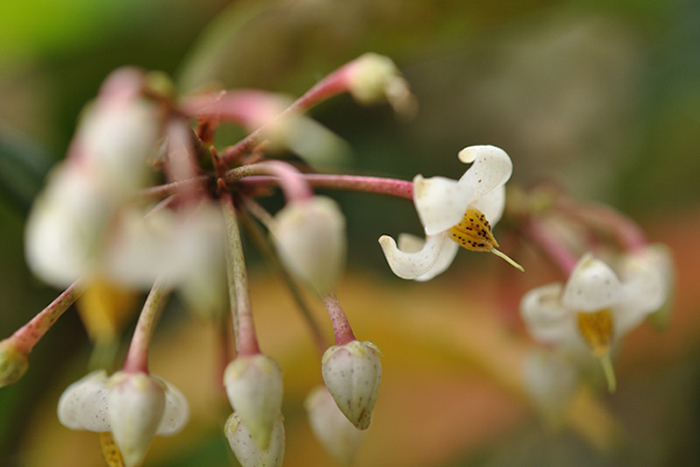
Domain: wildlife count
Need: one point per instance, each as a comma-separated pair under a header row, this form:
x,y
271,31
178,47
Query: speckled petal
x,y
592,286
83,405
491,168
412,265
440,202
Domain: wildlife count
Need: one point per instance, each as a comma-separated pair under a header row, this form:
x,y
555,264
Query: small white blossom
x,y
254,388
248,453
353,373
444,205
134,407
310,238
330,426
593,310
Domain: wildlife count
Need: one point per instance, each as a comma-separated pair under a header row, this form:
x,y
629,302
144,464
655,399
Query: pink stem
x,y
292,181
137,357
555,250
385,186
28,335
341,326
627,233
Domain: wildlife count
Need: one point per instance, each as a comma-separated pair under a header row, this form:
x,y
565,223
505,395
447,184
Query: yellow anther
x,y
474,233
597,330
110,451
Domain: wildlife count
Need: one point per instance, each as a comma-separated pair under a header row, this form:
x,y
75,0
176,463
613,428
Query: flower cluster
x,y
146,200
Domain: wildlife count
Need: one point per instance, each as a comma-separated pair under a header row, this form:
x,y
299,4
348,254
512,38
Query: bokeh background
x,y
601,96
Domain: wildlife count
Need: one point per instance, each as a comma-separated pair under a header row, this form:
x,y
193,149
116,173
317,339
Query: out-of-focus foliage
x,y
602,96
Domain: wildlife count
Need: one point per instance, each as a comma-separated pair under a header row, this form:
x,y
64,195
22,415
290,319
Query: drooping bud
x,y
374,78
248,453
353,373
310,238
135,406
13,362
254,388
338,436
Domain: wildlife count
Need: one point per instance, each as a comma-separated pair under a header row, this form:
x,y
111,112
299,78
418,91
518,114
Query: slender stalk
x,y
291,181
341,326
28,335
378,185
246,340
137,357
263,244
331,85
561,256
167,189
625,231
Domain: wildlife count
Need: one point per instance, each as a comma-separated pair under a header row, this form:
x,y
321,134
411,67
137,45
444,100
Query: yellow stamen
x,y
474,233
597,330
110,451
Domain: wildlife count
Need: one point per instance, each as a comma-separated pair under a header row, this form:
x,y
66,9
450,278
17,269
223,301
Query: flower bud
x,y
135,406
352,373
338,436
248,453
310,238
13,362
254,388
374,78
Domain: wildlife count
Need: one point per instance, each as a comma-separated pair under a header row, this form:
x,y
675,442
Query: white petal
x,y
592,286
491,168
247,451
547,320
440,202
83,405
176,413
492,204
408,265
551,382
412,244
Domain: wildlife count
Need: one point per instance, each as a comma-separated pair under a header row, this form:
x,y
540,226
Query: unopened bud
x,y
254,388
375,78
310,238
248,453
338,436
135,405
352,373
13,362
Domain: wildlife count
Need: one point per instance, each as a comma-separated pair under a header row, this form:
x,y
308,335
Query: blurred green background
x,y
602,96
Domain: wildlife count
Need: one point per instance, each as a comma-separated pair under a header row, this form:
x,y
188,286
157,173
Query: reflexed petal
x,y
412,265
592,286
547,320
83,405
440,202
247,451
412,244
176,413
492,204
491,168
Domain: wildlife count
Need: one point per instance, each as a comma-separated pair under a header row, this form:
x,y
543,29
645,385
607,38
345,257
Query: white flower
x,y
310,238
592,310
248,453
330,426
134,407
453,213
254,388
551,380
353,373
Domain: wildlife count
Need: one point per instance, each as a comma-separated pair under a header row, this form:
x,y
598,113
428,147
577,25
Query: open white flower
x,y
453,213
133,406
592,310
